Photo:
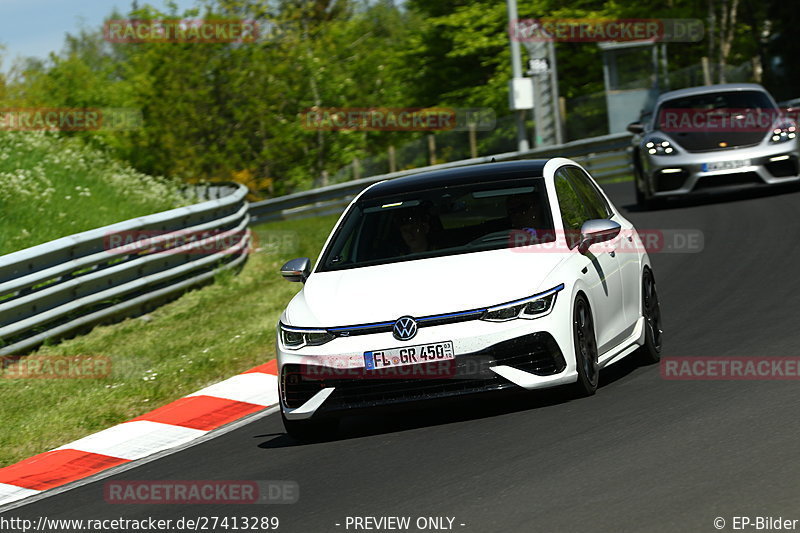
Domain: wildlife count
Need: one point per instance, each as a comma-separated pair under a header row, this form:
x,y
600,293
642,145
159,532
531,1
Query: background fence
x,y
606,157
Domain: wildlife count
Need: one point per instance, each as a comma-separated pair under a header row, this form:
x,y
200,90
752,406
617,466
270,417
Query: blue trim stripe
x,y
365,326
555,289
451,315
303,330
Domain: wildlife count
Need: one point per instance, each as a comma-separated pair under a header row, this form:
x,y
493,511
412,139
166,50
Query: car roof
x,y
706,89
457,176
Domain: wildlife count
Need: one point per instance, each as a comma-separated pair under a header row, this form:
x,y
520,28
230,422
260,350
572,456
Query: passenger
x,y
522,213
524,216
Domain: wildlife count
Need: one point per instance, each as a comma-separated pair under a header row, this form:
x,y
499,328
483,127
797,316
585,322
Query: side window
x,y
594,200
573,212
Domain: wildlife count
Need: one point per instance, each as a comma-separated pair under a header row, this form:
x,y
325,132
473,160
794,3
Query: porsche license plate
x,y
726,165
409,355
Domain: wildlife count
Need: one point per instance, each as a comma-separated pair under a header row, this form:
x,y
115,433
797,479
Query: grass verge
x,y
203,337
53,186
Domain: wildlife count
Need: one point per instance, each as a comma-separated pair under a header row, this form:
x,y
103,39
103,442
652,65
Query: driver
x,y
415,226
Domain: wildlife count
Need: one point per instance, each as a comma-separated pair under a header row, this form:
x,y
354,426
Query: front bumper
x,y
688,173
536,354
489,357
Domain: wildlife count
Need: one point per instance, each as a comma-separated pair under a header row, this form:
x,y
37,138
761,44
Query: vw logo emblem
x,y
405,328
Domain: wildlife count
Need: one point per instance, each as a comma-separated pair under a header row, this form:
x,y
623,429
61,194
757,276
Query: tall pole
x,y
516,68
559,120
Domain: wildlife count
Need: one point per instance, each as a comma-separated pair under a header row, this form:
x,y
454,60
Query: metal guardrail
x,y
63,285
605,157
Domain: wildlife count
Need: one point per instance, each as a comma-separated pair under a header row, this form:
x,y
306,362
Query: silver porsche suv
x,y
711,138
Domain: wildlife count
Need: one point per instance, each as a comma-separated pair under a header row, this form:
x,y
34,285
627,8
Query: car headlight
x,y
783,132
659,146
535,306
296,338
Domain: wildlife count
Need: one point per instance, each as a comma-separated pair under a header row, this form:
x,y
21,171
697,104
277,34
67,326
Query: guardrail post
x,y
562,115
392,159
356,169
706,71
473,141
431,149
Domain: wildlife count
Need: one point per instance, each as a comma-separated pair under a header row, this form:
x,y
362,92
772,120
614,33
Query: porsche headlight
x,y
535,306
659,146
296,338
783,132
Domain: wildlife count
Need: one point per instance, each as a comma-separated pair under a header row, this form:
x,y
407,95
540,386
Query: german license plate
x,y
726,165
409,355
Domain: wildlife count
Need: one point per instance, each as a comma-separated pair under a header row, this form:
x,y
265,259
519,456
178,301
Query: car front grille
x,y
537,353
712,141
725,180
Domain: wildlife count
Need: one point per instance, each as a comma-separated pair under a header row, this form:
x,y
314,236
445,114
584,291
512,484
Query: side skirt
x,y
628,345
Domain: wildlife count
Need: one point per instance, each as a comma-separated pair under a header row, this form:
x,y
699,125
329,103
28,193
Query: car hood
x,y
708,141
421,287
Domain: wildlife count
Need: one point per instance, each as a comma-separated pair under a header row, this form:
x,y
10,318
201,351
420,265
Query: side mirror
x,y
598,230
297,269
636,128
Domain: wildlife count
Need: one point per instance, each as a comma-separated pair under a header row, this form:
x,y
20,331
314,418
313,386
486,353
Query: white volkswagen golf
x,y
518,275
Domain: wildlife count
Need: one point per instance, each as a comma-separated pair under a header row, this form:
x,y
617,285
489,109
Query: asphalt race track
x,y
644,454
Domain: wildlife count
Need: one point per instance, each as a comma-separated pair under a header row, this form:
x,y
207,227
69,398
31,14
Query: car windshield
x,y
437,222
715,102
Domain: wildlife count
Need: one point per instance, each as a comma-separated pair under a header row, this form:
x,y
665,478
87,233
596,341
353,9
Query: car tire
x,y
585,344
311,430
650,352
638,183
644,201
641,199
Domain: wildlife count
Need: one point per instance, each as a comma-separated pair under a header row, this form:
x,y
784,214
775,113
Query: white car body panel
x,y
419,288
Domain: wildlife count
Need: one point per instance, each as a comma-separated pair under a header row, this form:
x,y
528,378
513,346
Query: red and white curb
x,y
170,426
